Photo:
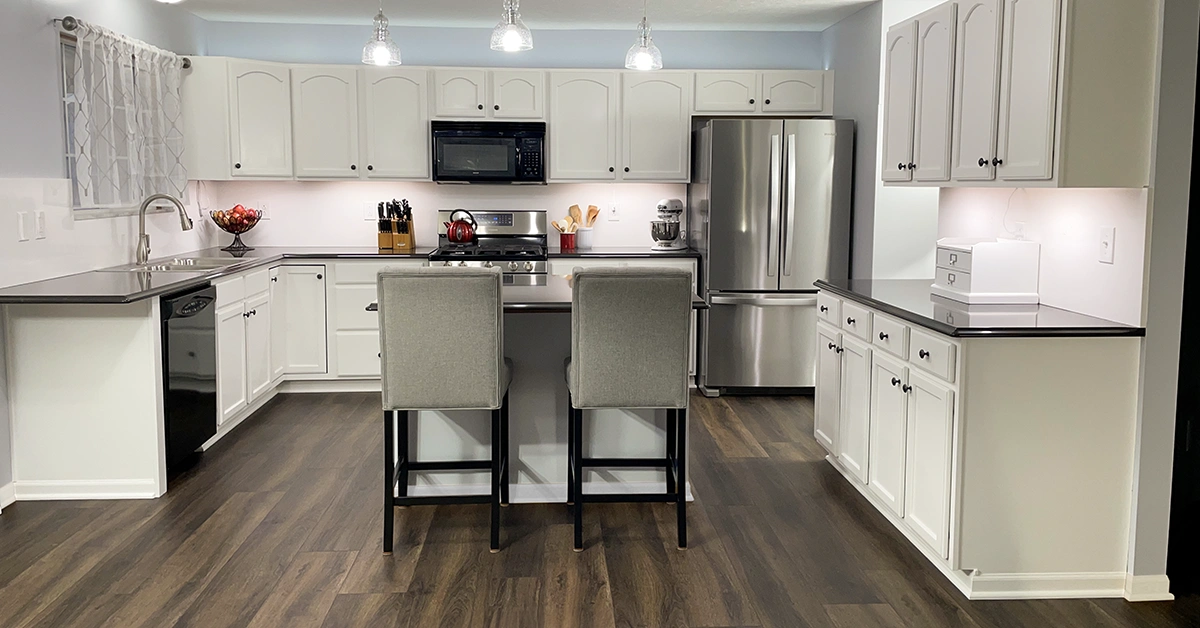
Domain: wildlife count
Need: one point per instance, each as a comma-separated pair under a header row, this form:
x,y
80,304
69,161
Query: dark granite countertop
x,y
911,300
109,286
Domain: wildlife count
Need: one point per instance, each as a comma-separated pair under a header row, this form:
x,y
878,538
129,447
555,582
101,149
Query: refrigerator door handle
x,y
776,204
789,214
763,300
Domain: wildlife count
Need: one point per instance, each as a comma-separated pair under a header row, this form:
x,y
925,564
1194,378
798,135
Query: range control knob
x,y
487,264
528,267
512,265
462,264
446,263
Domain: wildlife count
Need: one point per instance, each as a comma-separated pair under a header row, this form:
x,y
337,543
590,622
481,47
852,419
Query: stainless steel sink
x,y
178,264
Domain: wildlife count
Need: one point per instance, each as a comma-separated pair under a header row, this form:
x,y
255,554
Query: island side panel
x,y
86,401
1047,458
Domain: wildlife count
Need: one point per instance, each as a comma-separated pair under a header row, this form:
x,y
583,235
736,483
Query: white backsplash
x,y
1067,223
342,213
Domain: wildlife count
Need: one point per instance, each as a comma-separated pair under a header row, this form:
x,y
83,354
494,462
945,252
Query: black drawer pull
x,y
922,354
883,335
849,321
824,308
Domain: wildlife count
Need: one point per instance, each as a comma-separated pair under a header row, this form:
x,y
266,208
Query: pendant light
x,y
511,34
644,55
381,50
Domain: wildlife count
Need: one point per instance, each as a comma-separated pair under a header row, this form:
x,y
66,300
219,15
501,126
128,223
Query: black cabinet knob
x,y
983,162
481,107
839,350
895,381
370,167
612,169
901,166
320,276
752,101
626,168
832,346
922,354
883,335
906,388
996,161
849,321
353,167
767,101
496,107
274,279
237,165
912,166
824,308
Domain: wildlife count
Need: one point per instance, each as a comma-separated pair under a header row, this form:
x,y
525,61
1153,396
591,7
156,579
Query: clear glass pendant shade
x,y
644,55
511,34
381,50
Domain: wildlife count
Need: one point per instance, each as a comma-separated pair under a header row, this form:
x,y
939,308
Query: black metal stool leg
x,y
681,464
671,450
577,421
389,475
496,438
403,451
504,453
570,452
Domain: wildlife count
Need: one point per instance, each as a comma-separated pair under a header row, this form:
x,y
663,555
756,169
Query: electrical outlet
x,y
265,211
1108,238
40,226
613,214
22,236
368,211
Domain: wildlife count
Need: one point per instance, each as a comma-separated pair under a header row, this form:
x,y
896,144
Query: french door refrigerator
x,y
769,209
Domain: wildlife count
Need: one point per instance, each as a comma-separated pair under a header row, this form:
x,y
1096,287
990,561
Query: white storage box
x,y
987,271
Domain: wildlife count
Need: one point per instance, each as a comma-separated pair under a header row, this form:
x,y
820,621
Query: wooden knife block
x,y
403,242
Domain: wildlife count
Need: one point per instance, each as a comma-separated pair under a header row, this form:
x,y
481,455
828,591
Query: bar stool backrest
x,y
629,337
441,335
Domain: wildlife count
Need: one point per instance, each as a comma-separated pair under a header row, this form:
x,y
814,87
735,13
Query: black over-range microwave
x,y
489,152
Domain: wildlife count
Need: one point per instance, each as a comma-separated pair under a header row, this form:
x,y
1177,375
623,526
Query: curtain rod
x,y
69,23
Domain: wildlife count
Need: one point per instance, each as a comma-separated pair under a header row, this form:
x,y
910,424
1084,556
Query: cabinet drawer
x,y
953,279
358,354
890,335
350,310
829,308
856,321
361,272
931,354
258,282
230,291
954,259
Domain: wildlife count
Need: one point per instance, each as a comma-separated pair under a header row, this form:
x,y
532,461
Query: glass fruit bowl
x,y
237,221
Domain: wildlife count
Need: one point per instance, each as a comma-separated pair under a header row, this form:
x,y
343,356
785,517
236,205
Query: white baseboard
x,y
329,385
1046,586
1148,588
8,495
540,493
43,490
237,419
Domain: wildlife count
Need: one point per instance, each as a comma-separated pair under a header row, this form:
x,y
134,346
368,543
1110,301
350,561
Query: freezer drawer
x,y
760,340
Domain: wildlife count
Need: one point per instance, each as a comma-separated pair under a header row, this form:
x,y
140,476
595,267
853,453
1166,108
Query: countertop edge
x,y
990,332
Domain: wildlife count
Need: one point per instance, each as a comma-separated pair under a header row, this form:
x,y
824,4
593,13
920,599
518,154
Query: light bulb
x,y
380,56
511,40
643,61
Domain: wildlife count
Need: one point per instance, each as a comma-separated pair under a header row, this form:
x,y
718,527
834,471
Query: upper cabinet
x,y
518,94
395,123
777,92
584,125
655,125
459,93
1043,95
260,129
794,91
325,117
727,92
900,88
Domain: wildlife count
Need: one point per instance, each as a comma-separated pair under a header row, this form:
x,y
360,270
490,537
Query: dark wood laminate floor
x,y
280,525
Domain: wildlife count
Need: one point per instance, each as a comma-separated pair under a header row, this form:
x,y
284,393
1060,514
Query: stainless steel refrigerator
x,y
769,209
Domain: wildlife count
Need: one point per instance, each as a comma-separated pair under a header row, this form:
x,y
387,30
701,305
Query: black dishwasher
x,y
189,348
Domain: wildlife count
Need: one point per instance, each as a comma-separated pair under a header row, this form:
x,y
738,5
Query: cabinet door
x,y
1028,89
258,346
260,120
853,436
231,361
654,130
306,335
278,324
726,92
204,97
325,116
889,410
584,121
801,91
459,93
927,468
828,400
899,101
976,90
395,110
518,94
935,94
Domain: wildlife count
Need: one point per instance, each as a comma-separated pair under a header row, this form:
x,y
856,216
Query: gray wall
x,y
852,50
327,43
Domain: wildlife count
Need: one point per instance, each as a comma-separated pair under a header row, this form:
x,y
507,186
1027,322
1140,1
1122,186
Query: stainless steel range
x,y
513,240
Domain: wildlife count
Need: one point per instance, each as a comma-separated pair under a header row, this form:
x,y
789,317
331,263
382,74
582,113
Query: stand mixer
x,y
667,230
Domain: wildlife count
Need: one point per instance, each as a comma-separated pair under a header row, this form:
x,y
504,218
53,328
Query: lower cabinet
x,y
231,361
929,443
258,345
853,435
243,344
889,413
304,338
278,298
828,397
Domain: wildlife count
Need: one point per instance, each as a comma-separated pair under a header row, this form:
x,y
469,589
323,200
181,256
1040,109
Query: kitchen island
x,y
85,364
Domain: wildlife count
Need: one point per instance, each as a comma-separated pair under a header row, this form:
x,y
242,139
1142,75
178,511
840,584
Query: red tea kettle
x,y
461,230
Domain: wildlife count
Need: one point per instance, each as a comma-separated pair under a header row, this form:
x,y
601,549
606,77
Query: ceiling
x,y
773,15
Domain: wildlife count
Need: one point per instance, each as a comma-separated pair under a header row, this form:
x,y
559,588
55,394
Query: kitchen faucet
x,y
143,247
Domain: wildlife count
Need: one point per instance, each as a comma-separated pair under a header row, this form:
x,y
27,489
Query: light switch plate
x,y
1108,238
613,214
40,224
22,233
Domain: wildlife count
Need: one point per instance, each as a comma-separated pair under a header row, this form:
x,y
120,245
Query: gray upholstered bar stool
x,y
441,335
629,349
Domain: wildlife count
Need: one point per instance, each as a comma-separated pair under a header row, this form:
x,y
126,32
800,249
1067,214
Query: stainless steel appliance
x,y
666,231
769,209
513,240
189,344
488,152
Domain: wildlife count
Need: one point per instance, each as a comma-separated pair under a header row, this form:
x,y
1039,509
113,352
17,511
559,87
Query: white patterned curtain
x,y
127,123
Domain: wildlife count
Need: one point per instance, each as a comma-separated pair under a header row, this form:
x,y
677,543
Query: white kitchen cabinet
x,y
231,361
726,92
899,101
305,341
258,346
935,93
325,122
278,318
1028,89
519,94
855,406
976,89
655,126
459,93
889,413
828,396
793,91
930,433
204,99
395,123
260,121
584,125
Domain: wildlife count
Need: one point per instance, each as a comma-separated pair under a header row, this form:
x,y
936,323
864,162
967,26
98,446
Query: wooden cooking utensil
x,y
576,214
592,215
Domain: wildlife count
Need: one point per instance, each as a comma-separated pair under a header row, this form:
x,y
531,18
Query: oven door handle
x,y
763,300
